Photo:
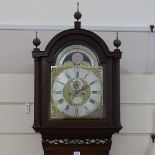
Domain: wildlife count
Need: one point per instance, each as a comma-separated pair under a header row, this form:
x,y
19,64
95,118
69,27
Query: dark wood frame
x,y
93,128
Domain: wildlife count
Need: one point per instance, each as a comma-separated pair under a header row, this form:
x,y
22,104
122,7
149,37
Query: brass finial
x,y
36,41
117,42
77,14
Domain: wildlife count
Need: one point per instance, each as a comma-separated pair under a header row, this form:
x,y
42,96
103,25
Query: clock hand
x,y
75,85
75,94
83,88
78,91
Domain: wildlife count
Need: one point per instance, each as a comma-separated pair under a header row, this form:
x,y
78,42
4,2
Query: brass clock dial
x,y
76,84
76,92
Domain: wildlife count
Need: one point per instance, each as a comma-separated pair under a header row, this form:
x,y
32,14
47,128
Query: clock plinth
x,y
77,94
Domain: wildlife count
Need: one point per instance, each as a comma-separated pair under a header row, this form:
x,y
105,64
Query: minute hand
x,y
83,88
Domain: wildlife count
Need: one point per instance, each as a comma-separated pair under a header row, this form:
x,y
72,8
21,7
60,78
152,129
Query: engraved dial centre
x,y
76,92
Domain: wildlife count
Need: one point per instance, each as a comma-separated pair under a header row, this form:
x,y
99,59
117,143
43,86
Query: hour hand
x,y
84,87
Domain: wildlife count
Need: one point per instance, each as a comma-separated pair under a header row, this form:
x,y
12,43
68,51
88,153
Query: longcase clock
x,y
77,93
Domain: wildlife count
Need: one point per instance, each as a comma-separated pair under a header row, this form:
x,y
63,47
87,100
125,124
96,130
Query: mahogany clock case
x,y
73,128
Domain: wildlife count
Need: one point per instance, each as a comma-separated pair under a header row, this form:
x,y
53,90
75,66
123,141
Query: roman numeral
x,y
67,75
60,82
76,111
57,92
76,72
96,92
61,101
86,76
92,101
87,110
93,82
67,107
